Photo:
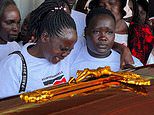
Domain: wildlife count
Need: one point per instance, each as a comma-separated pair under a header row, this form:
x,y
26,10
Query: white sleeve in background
x,y
137,62
79,19
9,78
151,58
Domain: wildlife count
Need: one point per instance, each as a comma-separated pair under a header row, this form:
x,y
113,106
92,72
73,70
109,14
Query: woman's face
x,y
100,35
142,14
71,2
10,23
113,6
56,49
24,29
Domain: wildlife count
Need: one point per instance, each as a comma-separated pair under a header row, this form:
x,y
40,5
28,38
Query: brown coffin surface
x,y
110,101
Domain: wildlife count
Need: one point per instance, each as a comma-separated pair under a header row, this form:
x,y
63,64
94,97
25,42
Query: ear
x,y
45,37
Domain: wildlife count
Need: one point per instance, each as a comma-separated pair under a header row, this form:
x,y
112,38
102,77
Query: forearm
x,y
126,57
118,47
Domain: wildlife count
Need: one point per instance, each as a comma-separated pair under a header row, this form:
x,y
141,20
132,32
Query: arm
x,y
126,57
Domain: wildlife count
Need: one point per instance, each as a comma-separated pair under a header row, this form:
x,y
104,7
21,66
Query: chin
x,y
12,38
54,61
102,51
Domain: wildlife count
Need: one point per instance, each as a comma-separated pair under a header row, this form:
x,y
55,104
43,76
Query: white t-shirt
x,y
79,19
151,58
6,49
85,60
41,73
121,38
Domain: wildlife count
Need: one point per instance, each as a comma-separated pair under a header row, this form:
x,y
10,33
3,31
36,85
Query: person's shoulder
x,y
77,13
14,45
113,52
13,61
13,58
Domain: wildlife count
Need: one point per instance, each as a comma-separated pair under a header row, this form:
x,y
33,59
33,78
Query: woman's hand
x,y
126,56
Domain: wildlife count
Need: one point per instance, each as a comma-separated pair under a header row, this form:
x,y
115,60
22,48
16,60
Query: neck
x,y
34,50
2,41
98,55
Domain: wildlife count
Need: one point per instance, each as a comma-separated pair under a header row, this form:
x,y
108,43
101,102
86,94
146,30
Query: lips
x,y
101,46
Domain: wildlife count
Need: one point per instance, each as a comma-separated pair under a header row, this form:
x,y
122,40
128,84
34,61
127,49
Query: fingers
x,y
126,59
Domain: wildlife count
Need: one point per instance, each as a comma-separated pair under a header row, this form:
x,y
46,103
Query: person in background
x,y
117,8
78,17
99,39
22,37
46,61
9,27
81,6
141,38
151,12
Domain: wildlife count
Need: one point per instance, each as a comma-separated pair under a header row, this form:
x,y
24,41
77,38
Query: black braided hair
x,y
4,4
61,2
95,4
98,11
59,20
50,17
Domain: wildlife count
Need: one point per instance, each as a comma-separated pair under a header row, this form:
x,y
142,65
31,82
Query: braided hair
x,y
4,4
51,17
60,2
95,4
98,11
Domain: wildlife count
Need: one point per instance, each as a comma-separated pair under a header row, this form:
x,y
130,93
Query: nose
x,y
102,36
15,27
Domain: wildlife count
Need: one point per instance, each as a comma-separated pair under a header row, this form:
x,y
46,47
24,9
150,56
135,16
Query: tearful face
x,y
56,49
